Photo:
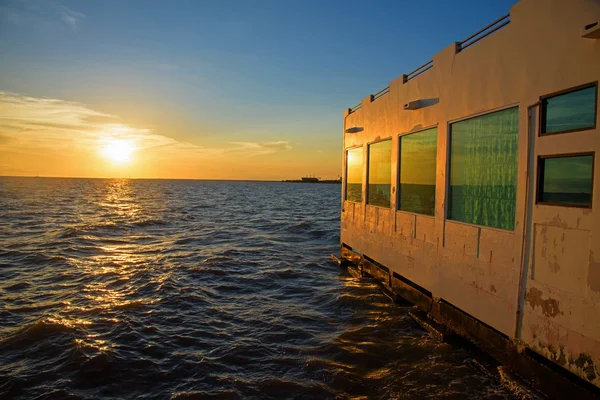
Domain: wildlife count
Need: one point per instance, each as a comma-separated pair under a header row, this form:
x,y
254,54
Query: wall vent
x,y
591,31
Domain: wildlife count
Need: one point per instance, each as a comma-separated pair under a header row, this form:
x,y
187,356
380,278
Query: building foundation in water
x,y
469,190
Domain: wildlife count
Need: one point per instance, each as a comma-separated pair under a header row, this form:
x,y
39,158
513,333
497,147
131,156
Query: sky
x,y
201,89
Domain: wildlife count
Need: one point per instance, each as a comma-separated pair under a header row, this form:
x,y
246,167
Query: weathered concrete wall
x,y
482,270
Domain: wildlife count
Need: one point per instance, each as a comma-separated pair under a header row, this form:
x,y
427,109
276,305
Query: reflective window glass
x,y
418,154
569,111
354,167
566,180
380,174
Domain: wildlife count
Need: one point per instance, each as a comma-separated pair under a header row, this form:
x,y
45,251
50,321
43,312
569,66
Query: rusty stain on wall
x,y
594,274
556,221
550,307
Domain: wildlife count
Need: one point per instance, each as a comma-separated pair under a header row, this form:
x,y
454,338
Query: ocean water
x,y
158,289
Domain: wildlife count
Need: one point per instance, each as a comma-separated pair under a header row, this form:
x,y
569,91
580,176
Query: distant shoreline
x,y
318,181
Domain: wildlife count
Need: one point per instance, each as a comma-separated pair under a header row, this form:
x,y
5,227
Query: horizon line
x,y
163,179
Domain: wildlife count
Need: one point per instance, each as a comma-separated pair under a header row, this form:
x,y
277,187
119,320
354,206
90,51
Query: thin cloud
x,y
34,12
31,124
71,17
255,148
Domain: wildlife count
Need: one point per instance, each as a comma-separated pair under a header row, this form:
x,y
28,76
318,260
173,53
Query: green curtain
x,y
483,169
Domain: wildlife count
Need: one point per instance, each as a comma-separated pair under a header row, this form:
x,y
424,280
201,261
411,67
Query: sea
x,y
189,289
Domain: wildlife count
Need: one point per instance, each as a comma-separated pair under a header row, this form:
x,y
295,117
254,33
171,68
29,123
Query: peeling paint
x,y
550,307
586,364
558,357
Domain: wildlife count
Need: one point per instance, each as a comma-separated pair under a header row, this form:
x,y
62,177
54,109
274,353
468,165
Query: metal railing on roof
x,y
381,93
356,107
488,30
425,67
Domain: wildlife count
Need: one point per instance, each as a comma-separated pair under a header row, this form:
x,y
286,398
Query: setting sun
x,y
118,151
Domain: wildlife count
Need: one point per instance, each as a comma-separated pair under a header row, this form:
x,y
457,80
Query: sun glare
x,y
118,151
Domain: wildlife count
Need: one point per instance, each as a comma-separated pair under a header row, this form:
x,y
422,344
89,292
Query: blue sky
x,y
214,72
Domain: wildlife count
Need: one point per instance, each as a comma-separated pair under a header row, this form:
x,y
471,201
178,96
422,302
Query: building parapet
x,y
460,46
483,33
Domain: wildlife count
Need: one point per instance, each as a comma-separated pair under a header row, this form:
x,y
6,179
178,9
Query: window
x,y
571,111
380,174
566,180
483,169
418,155
354,168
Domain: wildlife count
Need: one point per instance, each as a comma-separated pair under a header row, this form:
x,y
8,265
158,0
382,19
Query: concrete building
x,y
471,186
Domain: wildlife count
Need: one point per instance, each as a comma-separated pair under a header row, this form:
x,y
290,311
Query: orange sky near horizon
x,y
57,138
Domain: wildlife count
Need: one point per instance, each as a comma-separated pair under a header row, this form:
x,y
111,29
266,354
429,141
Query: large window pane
x,y
354,168
483,169
566,180
418,154
570,111
380,173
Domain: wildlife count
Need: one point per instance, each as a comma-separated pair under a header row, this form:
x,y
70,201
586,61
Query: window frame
x,y
542,113
540,179
346,174
391,139
399,161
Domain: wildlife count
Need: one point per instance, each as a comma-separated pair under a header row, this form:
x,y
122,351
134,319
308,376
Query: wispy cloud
x,y
30,124
256,149
71,17
35,11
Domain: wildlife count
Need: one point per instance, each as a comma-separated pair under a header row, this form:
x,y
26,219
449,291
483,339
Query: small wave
x,y
288,273
216,259
220,394
317,233
36,332
129,305
187,240
30,257
210,271
149,222
70,232
229,288
202,207
17,286
299,228
104,224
